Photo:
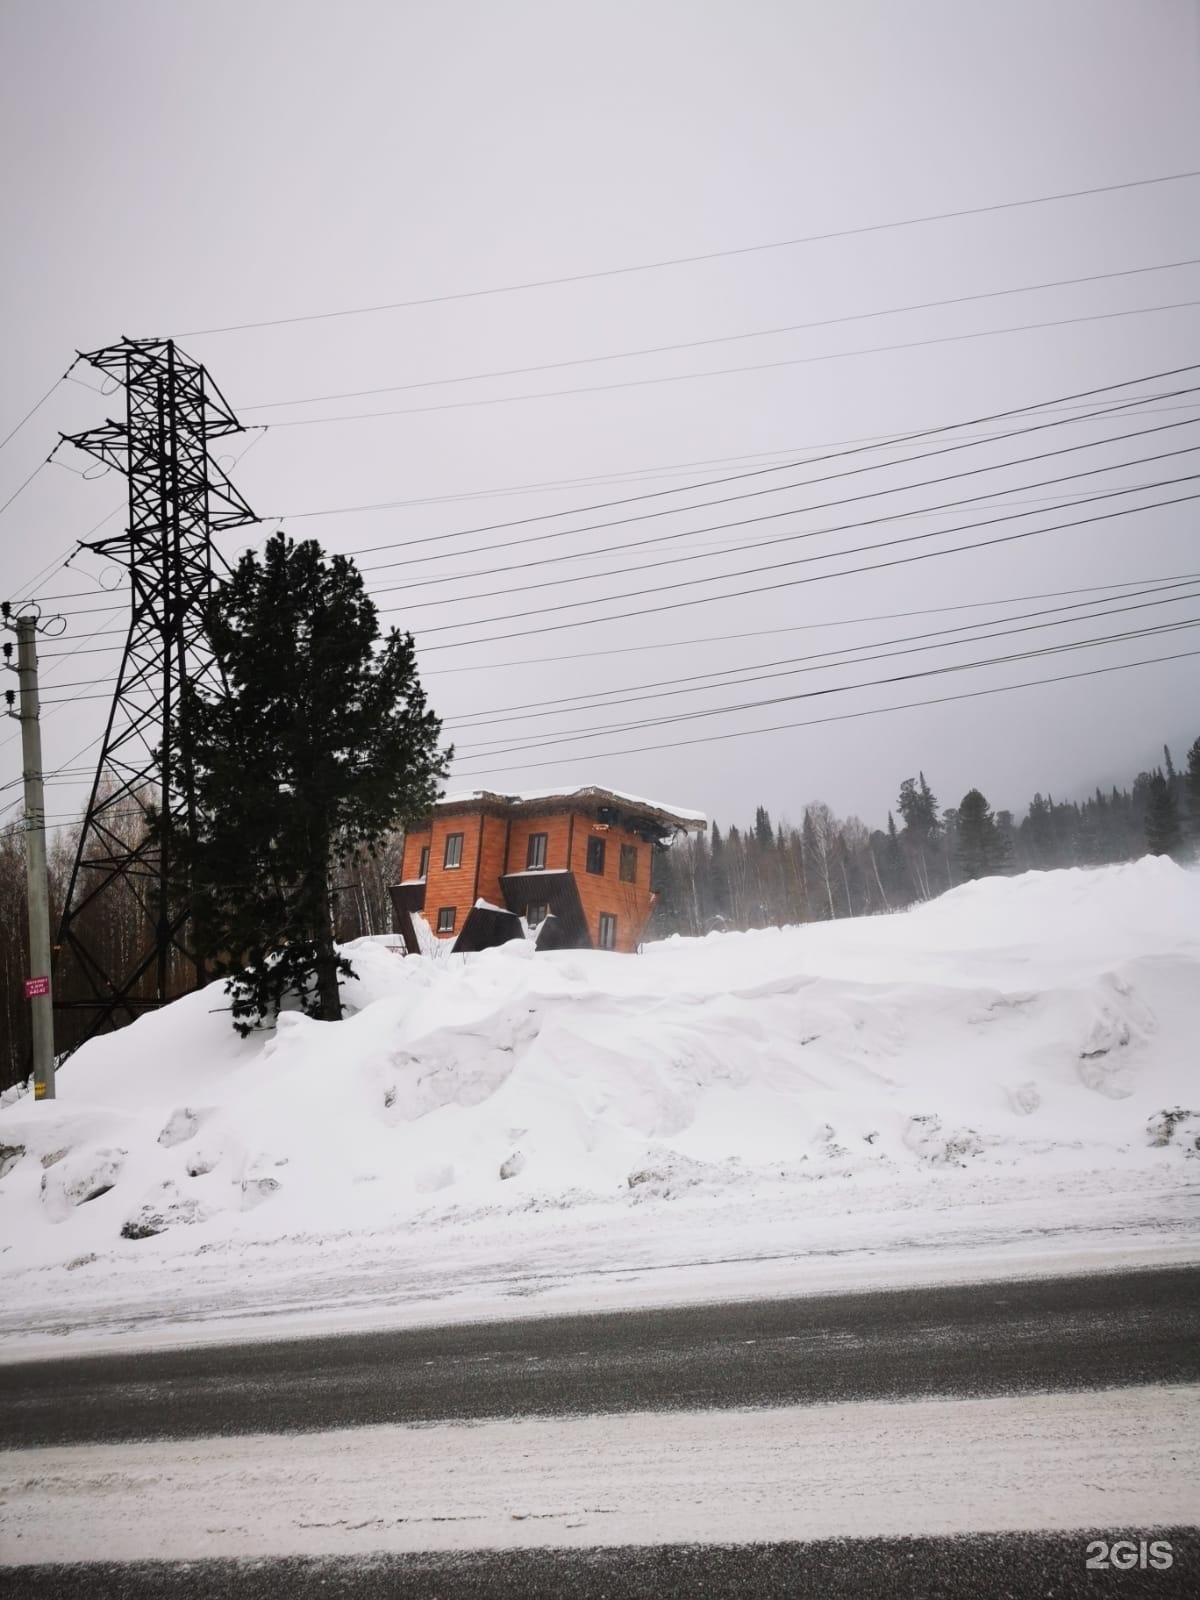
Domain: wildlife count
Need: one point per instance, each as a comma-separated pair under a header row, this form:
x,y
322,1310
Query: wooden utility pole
x,y
37,985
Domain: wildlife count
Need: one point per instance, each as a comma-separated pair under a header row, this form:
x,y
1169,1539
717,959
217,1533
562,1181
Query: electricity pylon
x,y
178,497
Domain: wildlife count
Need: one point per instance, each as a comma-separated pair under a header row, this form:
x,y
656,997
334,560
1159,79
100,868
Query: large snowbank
x,y
1047,1023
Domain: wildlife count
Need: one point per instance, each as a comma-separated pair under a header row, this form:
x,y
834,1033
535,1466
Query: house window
x,y
445,922
629,863
595,856
453,850
608,931
535,855
423,870
536,915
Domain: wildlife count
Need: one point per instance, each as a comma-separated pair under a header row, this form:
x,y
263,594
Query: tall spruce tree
x,y
1192,785
320,743
981,845
1162,817
893,857
1038,830
764,834
919,808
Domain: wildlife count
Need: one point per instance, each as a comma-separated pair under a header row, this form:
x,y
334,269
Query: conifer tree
x,y
1004,827
1192,781
919,808
981,847
763,832
319,744
893,857
1162,817
718,905
1038,829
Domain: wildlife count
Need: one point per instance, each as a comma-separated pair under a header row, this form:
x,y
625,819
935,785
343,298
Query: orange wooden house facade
x,y
571,870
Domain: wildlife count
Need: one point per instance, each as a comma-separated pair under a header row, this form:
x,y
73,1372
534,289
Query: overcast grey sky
x,y
173,167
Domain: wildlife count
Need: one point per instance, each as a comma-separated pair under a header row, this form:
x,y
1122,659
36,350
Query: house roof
x,y
559,892
589,794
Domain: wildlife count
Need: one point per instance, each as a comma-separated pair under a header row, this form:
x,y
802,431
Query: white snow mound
x,y
1045,1020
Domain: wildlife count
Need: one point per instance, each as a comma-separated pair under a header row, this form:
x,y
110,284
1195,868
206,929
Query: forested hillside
x,y
819,866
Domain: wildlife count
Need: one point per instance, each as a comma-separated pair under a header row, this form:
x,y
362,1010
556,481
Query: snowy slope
x,y
1017,1037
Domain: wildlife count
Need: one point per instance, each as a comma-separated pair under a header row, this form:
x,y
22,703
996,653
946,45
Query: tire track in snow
x,y
1116,1458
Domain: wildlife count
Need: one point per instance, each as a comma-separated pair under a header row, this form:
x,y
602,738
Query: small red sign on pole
x,y
35,987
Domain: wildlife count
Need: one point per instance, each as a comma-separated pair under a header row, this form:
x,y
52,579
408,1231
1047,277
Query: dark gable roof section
x,y
560,893
487,926
407,898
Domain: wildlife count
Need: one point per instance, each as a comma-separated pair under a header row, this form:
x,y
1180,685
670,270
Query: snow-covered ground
x,y
1115,1458
1002,1080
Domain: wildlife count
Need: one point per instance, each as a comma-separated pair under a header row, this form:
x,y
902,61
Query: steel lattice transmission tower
x,y
178,497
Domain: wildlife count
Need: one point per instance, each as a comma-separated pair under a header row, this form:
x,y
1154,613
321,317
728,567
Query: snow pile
x,y
1045,1021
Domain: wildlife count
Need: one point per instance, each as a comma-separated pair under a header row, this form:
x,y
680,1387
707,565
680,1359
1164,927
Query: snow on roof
x,y
685,818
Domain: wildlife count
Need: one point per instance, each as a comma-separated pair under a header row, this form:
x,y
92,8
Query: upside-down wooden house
x,y
570,869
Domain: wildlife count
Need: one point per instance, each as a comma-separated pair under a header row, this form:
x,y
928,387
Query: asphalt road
x,y
995,1566
977,1339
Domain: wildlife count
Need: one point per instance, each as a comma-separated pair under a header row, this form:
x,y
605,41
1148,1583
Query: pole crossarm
x,y
178,497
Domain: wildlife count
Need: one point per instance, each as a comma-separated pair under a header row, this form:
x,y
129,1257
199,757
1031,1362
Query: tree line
x,y
770,874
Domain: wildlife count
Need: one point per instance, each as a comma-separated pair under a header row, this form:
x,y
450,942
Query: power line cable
x,y
828,555
1042,504
100,650
791,672
847,688
24,484
844,716
790,511
773,489
1145,585
38,404
1034,508
758,472
59,818
541,562
693,260
529,632
43,575
725,372
752,494
650,472
573,702
808,627
62,654
789,583
600,700
734,543
727,338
